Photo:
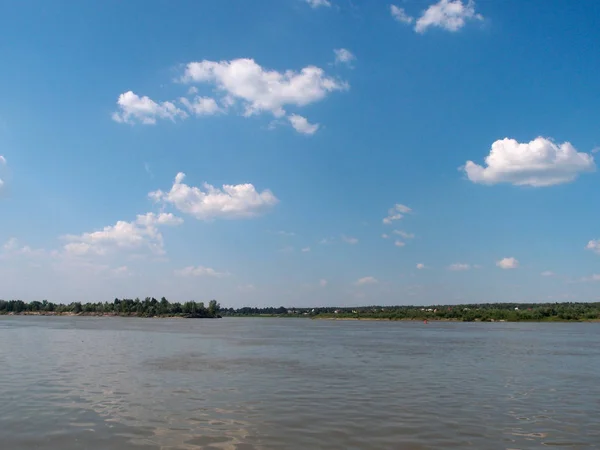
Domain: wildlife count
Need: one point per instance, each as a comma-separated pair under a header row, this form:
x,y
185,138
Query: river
x,y
127,383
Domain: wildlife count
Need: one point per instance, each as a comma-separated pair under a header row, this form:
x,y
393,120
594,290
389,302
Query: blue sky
x,y
313,121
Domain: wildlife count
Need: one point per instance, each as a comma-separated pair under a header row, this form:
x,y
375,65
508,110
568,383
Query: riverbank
x,y
96,314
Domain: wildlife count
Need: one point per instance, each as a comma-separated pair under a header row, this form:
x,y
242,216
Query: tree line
x,y
149,307
485,312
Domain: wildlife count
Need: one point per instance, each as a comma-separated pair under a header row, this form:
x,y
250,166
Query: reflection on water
x,y
99,383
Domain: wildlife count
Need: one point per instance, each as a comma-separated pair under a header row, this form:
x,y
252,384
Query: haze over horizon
x,y
300,152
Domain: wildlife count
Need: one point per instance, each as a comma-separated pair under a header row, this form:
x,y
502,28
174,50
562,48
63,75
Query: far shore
x,y
317,317
96,314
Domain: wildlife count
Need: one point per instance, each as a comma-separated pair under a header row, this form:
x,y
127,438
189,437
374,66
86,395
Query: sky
x,y
300,152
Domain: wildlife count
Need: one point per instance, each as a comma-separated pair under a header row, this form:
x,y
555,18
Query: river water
x,y
123,383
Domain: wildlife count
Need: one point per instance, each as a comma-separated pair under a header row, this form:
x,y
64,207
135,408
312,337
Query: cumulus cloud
x,y
508,263
385,236
366,280
302,125
450,15
343,56
140,234
400,15
420,266
306,250
538,163
201,106
399,244
261,90
199,271
547,273
231,202
459,267
318,3
135,109
594,245
349,240
323,283
396,213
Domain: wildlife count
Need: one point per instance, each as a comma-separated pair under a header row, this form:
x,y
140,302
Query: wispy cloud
x,y
366,280
459,267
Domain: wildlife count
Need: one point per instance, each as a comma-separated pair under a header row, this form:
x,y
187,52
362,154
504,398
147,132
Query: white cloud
x,y
323,283
420,266
306,250
343,56
366,280
399,244
538,163
318,3
459,267
396,213
385,236
302,125
200,271
404,234
230,202
144,110
594,277
12,247
450,15
547,273
142,233
508,263
400,15
326,241
151,219
260,89
285,233
11,244
594,245
201,106
2,163
349,240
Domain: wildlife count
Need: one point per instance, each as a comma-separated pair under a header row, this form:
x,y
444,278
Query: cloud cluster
x,y
538,163
140,234
240,82
396,213
135,109
229,202
449,15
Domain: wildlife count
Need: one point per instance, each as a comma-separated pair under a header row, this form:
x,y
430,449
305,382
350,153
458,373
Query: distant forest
x,y
151,307
484,312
